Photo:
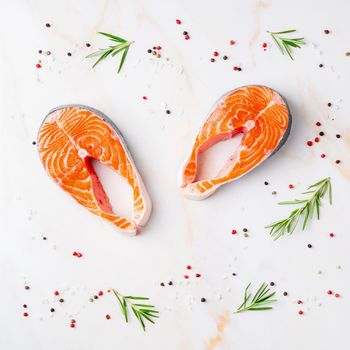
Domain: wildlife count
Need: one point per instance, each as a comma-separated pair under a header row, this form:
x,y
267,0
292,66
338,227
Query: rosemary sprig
x,y
141,311
308,207
261,298
113,50
285,44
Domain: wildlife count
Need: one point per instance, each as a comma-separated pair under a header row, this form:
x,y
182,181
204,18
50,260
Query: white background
x,y
180,232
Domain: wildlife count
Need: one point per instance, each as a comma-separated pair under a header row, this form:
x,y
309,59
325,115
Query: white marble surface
x,y
180,232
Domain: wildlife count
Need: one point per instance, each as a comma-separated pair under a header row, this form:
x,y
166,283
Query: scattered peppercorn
x,y
273,192
318,124
272,284
245,230
188,267
337,161
159,47
48,53
245,235
300,312
25,306
291,186
299,302
187,37
266,183
38,65
309,245
321,133
232,42
329,292
317,139
216,53
320,65
91,300
212,60
88,44
52,309
323,155
162,284
185,33
285,294
26,287
48,25
329,104
69,53
198,275
338,136
239,69
144,97
25,314
234,274
326,31
331,234
100,293
203,300
170,283
61,300
178,21
72,321
149,51
337,295
235,68
264,45
40,51
309,143
56,292
154,53
167,111
234,232
95,297
108,317
186,277
158,55
225,57
347,53
72,325
34,143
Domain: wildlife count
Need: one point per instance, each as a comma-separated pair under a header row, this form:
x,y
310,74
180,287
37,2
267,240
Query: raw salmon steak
x,y
68,139
260,114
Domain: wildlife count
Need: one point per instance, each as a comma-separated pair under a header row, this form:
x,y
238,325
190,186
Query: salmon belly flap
x,y
69,138
258,112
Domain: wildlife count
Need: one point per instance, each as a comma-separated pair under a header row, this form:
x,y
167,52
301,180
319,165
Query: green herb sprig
x,y
141,311
285,44
308,206
261,298
113,50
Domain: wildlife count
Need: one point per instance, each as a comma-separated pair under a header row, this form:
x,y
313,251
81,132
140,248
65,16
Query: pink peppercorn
x,y
318,124
188,267
291,186
38,65
330,292
309,143
108,317
100,293
72,325
299,302
75,253
25,314
323,155
234,232
144,97
300,312
337,295
79,255
331,234
216,53
159,48
56,292
317,139
232,42
212,60
186,277
178,21
187,37
235,68
264,45
198,275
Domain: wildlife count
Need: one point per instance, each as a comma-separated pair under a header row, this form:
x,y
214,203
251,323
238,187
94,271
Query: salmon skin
x,y
258,112
69,137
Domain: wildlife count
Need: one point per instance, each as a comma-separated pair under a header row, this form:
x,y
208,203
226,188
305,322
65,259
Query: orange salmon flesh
x,y
68,139
260,114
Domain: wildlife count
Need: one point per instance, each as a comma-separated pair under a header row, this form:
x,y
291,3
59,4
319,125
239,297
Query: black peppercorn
x,y
44,238
40,51
321,133
185,33
337,136
326,31
162,284
69,54
272,284
233,274
167,111
170,283
48,25
34,143
329,104
149,51
203,300
225,58
26,287
245,230
25,306
285,294
309,245
266,183
87,45
337,161
95,297
52,310
61,300
239,69
320,65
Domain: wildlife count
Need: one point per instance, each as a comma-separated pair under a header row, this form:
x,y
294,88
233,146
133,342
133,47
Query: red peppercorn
x,y
100,293
235,68
25,314
75,253
291,186
264,45
317,139
212,60
300,312
178,21
234,232
56,292
187,37
159,48
186,277
323,155
108,317
72,325
309,143
38,65
331,234
318,124
216,53
330,292
337,295
144,97
299,302
232,42
188,267
198,275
